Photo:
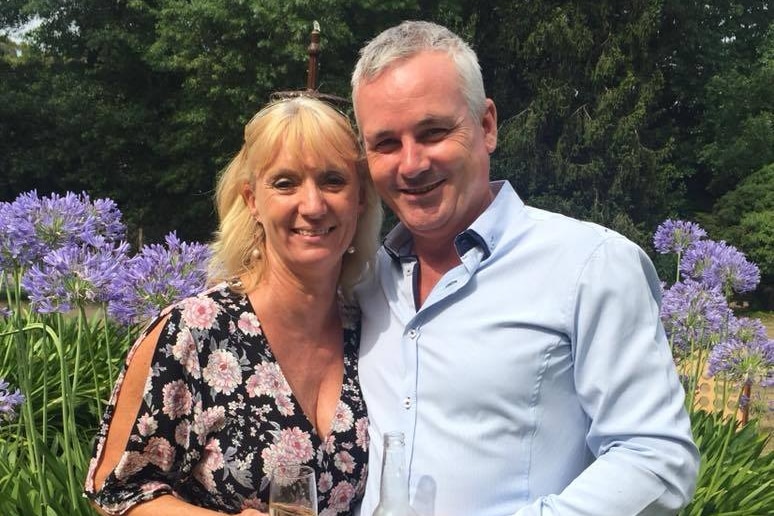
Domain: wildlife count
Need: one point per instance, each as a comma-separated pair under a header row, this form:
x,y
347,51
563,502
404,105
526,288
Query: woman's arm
x,y
168,505
127,405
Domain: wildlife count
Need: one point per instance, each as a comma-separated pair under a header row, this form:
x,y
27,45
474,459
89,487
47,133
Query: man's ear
x,y
489,125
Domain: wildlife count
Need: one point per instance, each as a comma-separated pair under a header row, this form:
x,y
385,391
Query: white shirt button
x,y
407,402
413,333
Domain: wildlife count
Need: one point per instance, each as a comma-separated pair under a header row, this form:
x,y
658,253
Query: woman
x,y
260,369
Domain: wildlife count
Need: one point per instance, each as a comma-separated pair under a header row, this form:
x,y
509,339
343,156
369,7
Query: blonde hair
x,y
304,125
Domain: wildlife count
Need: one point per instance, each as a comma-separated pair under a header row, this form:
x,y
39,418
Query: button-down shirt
x,y
536,377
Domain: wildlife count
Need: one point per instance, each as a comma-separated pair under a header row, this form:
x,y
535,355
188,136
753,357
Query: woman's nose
x,y
312,202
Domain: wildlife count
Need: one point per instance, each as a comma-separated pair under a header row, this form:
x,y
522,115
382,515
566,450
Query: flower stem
x,y
111,372
82,323
726,440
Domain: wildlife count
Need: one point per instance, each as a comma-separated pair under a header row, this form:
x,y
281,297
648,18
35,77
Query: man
x,y
519,351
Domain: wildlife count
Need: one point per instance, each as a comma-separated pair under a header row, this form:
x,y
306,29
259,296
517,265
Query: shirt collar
x,y
485,232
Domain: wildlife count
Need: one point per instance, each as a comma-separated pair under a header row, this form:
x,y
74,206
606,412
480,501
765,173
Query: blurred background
x,y
620,112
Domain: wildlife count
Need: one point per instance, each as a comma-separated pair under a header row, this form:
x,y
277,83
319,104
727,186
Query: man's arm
x,y
626,382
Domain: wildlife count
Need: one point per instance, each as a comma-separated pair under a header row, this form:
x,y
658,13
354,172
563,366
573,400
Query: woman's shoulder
x,y
218,299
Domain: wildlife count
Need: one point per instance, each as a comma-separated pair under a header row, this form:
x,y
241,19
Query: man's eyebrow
x,y
435,120
428,121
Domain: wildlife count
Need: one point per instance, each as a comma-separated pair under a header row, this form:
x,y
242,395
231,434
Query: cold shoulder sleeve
x,y
163,445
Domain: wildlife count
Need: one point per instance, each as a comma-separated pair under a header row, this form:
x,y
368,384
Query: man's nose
x,y
413,159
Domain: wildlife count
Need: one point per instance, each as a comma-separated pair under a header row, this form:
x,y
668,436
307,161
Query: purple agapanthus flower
x,y
74,275
18,244
32,226
676,236
721,265
747,356
9,401
694,315
157,277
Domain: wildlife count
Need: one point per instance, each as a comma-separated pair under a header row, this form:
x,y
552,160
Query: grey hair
x,y
412,37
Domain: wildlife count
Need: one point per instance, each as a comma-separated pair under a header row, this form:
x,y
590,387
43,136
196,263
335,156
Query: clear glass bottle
x,y
394,492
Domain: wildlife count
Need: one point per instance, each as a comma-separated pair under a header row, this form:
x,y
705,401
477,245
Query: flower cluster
x,y
717,264
33,226
68,251
694,314
74,275
675,236
8,402
746,356
156,277
695,309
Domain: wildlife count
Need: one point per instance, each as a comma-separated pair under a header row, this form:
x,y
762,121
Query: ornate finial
x,y
313,51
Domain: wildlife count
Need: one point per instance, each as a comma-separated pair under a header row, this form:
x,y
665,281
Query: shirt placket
x,y
409,351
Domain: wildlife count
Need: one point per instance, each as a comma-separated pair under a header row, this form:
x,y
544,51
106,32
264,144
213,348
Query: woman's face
x,y
309,209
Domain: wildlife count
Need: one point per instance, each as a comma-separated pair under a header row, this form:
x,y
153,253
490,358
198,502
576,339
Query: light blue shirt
x,y
535,379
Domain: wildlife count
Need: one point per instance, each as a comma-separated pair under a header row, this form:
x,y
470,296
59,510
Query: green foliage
x,y
580,92
740,127
622,113
144,101
65,366
745,217
711,55
736,475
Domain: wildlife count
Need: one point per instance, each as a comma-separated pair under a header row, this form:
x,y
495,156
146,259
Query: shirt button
x,y
412,334
407,402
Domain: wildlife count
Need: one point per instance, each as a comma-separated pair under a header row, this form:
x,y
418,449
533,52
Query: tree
x,y
745,218
144,101
577,90
739,129
703,46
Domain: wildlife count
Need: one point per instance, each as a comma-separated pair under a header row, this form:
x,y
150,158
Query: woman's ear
x,y
249,197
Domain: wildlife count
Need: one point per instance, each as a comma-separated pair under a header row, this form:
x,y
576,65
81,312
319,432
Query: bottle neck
x,y
394,484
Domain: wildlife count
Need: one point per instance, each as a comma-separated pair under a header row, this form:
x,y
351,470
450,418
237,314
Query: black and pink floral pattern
x,y
217,415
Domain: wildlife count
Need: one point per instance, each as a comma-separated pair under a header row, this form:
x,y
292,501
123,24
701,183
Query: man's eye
x,y
435,134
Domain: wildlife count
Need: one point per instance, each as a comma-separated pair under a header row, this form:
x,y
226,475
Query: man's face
x,y
428,155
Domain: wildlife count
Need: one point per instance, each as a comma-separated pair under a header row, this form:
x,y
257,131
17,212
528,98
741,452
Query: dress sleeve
x,y
646,461
161,446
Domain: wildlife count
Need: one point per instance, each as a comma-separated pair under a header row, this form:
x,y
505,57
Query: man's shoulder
x,y
561,230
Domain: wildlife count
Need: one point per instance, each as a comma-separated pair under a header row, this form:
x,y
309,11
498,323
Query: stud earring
x,y
256,253
351,249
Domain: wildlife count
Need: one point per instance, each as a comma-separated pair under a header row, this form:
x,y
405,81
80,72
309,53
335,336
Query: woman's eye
x,y
282,183
334,180
385,146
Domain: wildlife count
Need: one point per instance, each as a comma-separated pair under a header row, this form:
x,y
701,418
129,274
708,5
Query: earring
x,y
351,249
256,253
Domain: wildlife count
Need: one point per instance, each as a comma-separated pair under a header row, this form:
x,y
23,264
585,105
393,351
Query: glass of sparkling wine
x,y
293,491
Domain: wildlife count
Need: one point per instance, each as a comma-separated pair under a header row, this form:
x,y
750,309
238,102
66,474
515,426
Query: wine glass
x,y
293,491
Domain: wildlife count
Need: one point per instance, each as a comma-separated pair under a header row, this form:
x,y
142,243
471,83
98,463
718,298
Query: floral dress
x,y
217,414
